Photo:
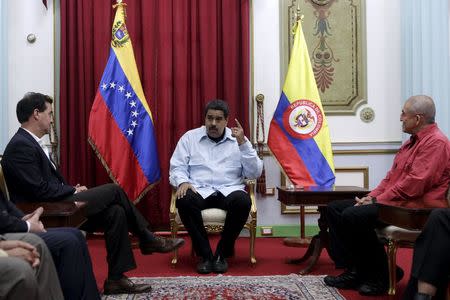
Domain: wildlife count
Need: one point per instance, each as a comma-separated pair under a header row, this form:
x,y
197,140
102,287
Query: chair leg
x,y
174,229
392,264
252,232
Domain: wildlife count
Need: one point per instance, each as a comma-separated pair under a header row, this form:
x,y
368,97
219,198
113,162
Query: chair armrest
x,y
250,183
408,218
61,208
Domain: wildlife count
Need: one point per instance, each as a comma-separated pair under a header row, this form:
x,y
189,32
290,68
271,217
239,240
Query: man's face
x,y
44,119
215,123
409,119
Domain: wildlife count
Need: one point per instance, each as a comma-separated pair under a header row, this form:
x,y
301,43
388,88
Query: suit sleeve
x,y
26,170
10,217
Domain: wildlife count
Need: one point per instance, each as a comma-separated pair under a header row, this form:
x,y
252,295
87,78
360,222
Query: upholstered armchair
x,y
405,225
214,219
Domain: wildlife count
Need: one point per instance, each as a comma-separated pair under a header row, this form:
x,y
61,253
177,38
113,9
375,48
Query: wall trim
x,y
288,230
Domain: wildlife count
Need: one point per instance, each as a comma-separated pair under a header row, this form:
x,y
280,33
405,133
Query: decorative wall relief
x,y
334,33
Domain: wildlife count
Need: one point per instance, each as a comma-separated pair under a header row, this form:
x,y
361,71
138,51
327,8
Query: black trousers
x,y
72,261
237,204
353,241
431,259
110,210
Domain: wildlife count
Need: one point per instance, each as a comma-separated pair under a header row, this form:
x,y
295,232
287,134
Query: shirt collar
x,y
425,131
39,140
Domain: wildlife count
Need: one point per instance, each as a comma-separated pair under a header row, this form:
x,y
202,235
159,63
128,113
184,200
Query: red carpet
x,y
270,255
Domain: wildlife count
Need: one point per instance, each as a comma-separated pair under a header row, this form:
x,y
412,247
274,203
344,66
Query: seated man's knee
x,y
186,201
439,216
240,200
76,233
20,272
352,217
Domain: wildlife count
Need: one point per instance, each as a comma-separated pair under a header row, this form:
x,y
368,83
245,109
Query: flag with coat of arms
x,y
121,128
299,136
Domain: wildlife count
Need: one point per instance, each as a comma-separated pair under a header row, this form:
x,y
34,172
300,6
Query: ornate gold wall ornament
x,y
367,114
334,33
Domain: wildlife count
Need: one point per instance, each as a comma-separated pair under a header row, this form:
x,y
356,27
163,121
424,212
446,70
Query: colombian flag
x,y
121,129
298,135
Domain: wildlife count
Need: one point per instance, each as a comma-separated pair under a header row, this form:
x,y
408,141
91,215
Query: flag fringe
x,y
113,178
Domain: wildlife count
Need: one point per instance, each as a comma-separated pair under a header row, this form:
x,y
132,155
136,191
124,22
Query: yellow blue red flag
x,y
298,135
121,129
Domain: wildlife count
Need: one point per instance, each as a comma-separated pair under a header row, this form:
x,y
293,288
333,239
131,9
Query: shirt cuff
x,y
3,253
245,146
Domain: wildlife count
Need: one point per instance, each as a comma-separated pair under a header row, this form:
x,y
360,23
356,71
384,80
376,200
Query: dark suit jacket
x,y
29,173
10,217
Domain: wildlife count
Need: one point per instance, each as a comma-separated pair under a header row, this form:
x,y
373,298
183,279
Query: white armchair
x,y
214,219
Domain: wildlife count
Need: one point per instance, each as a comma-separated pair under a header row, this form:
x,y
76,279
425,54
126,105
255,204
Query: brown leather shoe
x,y
161,245
124,286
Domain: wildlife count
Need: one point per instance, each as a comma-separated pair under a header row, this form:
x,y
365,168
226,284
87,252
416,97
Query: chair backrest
x,y
3,185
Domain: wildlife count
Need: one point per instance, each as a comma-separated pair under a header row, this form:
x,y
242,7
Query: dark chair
x,y
405,225
56,214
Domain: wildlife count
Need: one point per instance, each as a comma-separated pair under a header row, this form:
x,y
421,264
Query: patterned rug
x,y
235,287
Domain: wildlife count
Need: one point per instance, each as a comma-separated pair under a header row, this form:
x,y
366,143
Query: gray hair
x,y
424,105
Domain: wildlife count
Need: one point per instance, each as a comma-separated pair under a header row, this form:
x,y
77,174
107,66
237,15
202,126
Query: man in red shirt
x,y
419,177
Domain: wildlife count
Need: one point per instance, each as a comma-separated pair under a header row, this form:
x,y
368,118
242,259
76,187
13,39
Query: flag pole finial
x,y
299,15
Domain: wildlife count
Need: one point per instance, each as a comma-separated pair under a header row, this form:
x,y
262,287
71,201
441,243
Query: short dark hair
x,y
31,101
217,104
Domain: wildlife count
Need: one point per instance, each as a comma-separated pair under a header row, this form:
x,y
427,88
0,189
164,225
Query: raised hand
x,y
238,132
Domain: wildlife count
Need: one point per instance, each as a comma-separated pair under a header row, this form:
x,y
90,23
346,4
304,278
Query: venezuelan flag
x,y
121,129
298,135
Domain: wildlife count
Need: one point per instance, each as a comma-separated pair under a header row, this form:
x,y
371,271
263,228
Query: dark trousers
x,y
110,210
237,204
353,239
431,260
72,261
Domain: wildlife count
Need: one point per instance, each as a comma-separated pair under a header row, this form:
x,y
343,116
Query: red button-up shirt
x,y
420,174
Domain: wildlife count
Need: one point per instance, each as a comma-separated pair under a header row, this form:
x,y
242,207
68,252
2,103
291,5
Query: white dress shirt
x,y
41,143
209,166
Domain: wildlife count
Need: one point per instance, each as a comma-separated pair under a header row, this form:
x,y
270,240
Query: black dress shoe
x,y
124,286
347,280
220,264
373,288
205,266
161,245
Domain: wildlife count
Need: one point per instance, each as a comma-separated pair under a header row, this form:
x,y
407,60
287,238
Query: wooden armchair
x,y
405,225
56,214
214,219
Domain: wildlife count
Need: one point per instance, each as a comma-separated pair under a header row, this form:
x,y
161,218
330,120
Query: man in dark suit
x,y
431,263
67,246
32,176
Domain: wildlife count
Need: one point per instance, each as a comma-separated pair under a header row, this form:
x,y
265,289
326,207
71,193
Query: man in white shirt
x,y
208,168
